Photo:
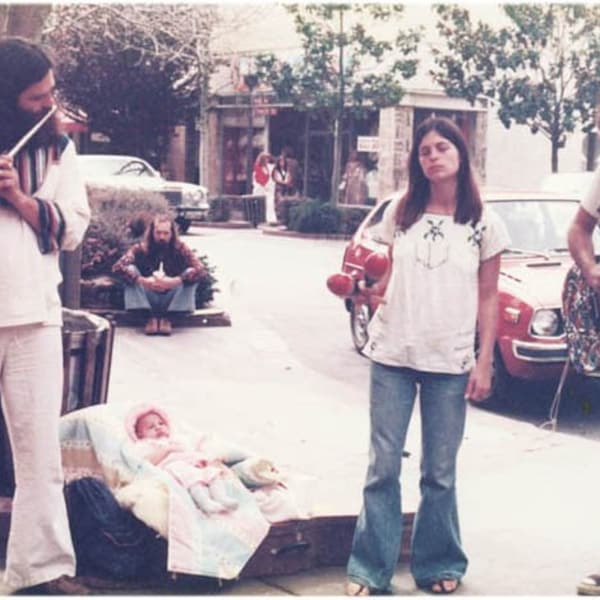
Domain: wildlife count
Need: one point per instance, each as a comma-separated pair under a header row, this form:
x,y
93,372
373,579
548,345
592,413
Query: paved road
x,y
280,281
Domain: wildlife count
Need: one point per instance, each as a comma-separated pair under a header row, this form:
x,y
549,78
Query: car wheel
x,y
183,224
502,384
360,315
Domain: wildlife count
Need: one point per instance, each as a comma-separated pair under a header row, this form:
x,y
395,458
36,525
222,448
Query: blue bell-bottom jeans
x,y
436,551
181,298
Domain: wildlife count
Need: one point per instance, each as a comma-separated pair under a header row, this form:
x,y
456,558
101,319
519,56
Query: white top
x,y
591,198
29,279
429,318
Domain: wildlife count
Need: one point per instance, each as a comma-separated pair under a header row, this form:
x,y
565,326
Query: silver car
x,y
188,200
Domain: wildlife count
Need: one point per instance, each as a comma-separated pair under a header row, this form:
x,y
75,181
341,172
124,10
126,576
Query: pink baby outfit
x,y
187,466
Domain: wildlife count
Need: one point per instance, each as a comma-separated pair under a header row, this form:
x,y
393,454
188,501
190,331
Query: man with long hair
x,y
43,209
161,274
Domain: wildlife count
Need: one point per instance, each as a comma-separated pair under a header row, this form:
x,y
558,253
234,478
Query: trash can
x,y
87,354
254,209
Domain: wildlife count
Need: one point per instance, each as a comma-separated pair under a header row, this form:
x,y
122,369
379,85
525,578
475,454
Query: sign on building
x,y
367,143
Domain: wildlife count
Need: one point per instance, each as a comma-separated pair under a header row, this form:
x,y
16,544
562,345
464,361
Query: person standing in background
x,y
263,184
354,181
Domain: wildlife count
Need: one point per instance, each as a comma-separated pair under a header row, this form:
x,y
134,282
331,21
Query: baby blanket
x,y
94,443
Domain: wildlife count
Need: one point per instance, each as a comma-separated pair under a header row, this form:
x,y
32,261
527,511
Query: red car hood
x,y
537,281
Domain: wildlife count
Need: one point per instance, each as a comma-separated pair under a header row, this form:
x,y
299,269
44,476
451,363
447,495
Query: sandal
x,y
444,586
357,589
589,586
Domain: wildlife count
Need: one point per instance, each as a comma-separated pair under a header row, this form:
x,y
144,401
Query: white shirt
x,y
29,279
429,317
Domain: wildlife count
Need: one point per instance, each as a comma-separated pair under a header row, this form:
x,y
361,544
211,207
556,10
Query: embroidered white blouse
x,y
429,317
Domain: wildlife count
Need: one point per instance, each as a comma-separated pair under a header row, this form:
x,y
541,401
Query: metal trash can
x,y
254,209
87,354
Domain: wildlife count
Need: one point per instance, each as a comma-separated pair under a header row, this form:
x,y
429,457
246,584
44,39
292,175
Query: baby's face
x,y
152,426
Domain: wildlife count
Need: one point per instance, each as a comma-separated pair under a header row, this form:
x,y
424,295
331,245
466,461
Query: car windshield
x,y
109,166
538,226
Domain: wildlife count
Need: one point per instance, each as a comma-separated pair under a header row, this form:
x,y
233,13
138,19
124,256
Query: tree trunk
x,y
554,156
337,159
590,151
23,20
306,153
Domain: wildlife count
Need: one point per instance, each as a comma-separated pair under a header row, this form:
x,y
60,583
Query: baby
x,y
150,429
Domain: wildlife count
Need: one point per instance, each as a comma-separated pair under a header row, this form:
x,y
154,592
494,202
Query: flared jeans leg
x,y
378,535
436,546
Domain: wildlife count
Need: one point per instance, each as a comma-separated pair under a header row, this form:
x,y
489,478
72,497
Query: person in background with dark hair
x,y
444,247
43,209
161,274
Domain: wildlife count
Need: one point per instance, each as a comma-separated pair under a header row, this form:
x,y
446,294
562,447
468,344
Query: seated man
x,y
161,275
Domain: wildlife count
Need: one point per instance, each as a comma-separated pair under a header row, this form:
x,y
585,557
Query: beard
x,y
46,134
24,120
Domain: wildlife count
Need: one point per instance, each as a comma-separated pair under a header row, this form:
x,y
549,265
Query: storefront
x,y
240,134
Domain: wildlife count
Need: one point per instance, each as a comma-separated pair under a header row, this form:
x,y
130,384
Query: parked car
x,y
188,200
531,340
571,183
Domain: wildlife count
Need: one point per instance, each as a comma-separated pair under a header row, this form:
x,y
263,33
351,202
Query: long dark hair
x,y
469,206
22,64
149,242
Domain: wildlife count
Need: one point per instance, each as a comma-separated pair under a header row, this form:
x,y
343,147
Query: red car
x,y
531,341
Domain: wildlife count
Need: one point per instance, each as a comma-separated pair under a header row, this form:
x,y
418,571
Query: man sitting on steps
x,y
161,275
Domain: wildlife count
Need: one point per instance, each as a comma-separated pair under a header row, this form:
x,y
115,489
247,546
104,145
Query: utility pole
x,y
251,80
337,126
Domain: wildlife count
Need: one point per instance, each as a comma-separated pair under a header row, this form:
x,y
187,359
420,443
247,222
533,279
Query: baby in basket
x,y
149,427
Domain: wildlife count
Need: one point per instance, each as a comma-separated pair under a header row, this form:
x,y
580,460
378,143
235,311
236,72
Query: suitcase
x,y
302,544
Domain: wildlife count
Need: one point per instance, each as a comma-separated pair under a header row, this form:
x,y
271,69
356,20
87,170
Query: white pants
x,y
31,376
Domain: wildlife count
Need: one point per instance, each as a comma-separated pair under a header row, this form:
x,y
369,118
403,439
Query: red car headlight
x,y
546,322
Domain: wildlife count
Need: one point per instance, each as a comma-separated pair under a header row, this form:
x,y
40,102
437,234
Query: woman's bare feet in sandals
x,y
356,589
444,586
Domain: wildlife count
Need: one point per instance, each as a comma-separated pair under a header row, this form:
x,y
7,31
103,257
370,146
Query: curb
x,y
269,230
201,317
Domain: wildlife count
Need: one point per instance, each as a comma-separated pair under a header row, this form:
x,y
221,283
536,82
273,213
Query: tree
x,y
345,68
542,67
136,70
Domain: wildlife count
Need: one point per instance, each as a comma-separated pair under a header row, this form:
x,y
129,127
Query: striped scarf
x,y
32,165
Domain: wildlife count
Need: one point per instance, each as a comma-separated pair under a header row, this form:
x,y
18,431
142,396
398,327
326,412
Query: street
x,y
280,281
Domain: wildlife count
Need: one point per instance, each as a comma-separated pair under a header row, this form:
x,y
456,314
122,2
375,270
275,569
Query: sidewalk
x,y
528,498
528,501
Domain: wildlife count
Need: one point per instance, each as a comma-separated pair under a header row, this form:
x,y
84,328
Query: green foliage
x,y
371,71
344,67
135,70
284,209
543,67
312,216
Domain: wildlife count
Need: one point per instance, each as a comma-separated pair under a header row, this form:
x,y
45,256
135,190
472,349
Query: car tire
x,y
360,315
183,224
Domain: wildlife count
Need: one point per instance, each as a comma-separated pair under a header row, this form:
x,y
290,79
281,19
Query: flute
x,y
13,151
